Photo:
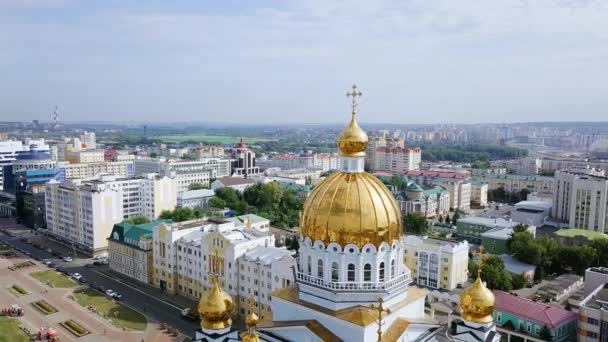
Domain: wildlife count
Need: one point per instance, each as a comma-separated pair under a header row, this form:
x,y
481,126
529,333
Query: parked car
x,y
83,280
113,294
62,270
100,257
76,276
67,259
100,262
47,262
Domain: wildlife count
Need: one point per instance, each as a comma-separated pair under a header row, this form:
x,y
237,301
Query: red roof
x,y
551,316
228,181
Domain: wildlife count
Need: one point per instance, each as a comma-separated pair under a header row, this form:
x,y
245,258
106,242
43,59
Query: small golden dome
x,y
216,308
477,303
351,208
252,319
352,141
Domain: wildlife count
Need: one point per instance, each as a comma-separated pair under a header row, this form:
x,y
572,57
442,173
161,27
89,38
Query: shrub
x,y
75,328
44,307
20,290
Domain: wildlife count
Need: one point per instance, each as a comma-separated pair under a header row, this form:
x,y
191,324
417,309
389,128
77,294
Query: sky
x,y
292,61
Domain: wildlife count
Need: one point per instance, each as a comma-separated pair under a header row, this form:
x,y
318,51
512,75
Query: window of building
x,y
381,272
320,268
367,272
309,269
393,268
351,272
334,271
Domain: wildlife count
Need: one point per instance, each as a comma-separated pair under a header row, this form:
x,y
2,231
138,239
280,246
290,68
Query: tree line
x,y
469,153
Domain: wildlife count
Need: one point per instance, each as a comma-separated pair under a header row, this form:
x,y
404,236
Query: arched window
x,y
367,272
309,269
351,272
381,273
393,268
320,268
334,271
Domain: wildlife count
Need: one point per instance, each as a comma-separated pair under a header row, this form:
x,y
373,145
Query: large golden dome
x,y
351,208
216,308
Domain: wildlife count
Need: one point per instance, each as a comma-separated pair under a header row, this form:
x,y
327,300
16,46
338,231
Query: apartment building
x,y
581,199
250,265
130,250
516,183
85,170
524,166
437,263
185,172
479,194
85,156
397,159
460,195
84,211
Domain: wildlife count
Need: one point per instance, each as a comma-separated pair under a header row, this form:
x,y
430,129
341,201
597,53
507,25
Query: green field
x,y
211,139
121,315
10,331
572,232
56,279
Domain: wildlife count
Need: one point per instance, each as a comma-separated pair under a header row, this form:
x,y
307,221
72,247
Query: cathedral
x,y
351,280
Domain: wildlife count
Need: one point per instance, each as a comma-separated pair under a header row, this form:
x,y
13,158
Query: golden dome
x,y
477,301
251,321
216,308
351,208
352,141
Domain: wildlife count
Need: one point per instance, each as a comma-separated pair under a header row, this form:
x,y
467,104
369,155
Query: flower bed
x,y
75,328
44,307
18,290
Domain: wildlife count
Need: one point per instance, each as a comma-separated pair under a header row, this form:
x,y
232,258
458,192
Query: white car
x,y
76,276
110,293
67,259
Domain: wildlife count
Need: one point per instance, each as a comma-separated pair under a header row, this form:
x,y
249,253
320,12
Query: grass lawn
x,y
10,331
121,315
55,278
211,139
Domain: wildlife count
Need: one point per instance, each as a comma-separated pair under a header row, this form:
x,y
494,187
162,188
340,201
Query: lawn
x,y
211,139
121,315
10,331
55,278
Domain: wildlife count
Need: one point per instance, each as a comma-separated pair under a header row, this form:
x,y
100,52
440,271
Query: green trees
x,y
551,257
196,186
493,273
271,200
182,214
500,195
415,224
470,153
137,220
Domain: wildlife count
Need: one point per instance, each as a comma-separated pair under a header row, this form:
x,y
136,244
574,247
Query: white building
x,y
250,264
479,194
194,198
86,170
85,156
460,195
109,199
437,263
186,172
10,149
516,183
397,159
593,315
581,199
82,215
88,140
531,213
524,166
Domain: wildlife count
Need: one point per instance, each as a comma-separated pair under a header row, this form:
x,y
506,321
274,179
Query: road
x,y
132,296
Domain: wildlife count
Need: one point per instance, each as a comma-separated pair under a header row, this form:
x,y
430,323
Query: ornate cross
x,y
354,94
381,310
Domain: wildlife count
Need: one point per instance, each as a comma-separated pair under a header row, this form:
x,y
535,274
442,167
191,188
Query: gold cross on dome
x,y
354,94
381,310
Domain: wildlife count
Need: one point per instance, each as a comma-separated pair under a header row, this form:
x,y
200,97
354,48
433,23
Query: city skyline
x,y
417,62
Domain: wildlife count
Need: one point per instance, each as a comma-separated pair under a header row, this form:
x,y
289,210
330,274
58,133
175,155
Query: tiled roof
x,y
541,313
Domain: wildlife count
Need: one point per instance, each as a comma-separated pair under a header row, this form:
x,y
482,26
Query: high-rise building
x,y
581,199
397,159
29,154
88,140
79,211
87,170
243,160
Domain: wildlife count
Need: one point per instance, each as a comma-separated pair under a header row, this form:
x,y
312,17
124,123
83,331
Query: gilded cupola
x,y
351,207
216,308
252,322
477,301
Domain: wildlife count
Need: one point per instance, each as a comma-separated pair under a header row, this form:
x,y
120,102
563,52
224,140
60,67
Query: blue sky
x,y
417,61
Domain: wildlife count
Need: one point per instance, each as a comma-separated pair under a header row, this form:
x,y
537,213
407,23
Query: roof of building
x,y
252,218
127,231
518,177
574,232
266,255
551,316
515,266
228,181
436,174
538,204
488,222
598,299
191,194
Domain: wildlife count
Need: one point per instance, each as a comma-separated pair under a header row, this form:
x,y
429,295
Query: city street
x,y
138,297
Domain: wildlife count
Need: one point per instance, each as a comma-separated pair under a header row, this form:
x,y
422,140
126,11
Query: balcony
x,y
351,286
